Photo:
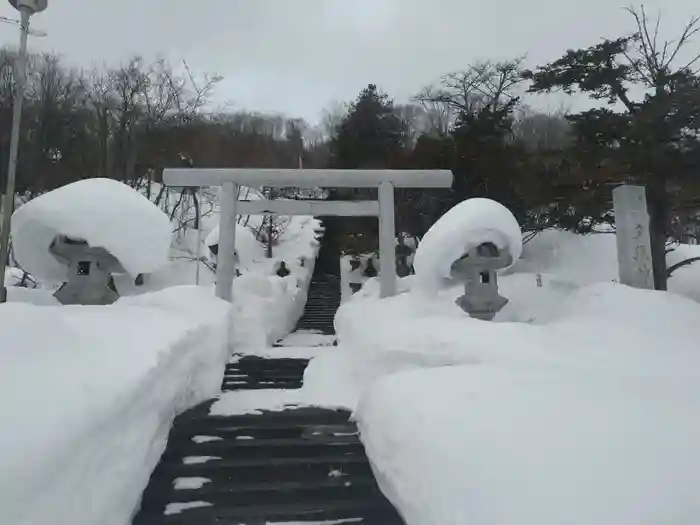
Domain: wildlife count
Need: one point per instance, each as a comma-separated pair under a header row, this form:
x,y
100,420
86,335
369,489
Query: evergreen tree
x,y
652,140
371,135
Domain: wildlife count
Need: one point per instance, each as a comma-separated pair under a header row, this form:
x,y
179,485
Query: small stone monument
x,y
283,271
477,270
632,236
90,271
370,270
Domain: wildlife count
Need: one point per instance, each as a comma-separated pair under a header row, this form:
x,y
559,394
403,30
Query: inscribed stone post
x,y
633,239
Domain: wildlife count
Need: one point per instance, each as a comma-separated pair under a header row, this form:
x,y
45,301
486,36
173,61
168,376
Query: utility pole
x,y
27,8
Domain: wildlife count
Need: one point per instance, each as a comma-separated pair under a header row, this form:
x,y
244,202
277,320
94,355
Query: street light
x,y
27,8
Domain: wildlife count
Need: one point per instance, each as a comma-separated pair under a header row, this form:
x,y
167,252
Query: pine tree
x,y
371,135
651,140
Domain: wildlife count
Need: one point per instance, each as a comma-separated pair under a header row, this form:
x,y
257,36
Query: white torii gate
x,y
231,179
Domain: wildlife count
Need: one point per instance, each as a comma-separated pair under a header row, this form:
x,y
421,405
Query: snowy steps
x,y
257,373
322,302
300,465
296,465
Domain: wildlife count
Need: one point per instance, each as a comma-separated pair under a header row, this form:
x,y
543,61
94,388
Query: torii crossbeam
x,y
231,179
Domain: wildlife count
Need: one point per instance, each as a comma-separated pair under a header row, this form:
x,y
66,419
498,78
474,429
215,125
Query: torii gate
x,y
231,179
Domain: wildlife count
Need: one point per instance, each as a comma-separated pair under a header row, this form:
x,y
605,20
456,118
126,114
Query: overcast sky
x,y
297,56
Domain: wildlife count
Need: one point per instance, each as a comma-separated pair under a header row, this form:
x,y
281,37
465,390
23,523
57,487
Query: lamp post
x,y
27,8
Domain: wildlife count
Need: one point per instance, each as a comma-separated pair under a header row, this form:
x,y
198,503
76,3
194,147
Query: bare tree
x,y
542,131
416,118
485,84
331,118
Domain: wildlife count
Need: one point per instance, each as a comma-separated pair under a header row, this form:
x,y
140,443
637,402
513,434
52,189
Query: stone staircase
x,y
301,465
256,373
322,302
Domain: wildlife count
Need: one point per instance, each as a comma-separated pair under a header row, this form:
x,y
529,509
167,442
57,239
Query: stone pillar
x,y
226,256
633,239
387,236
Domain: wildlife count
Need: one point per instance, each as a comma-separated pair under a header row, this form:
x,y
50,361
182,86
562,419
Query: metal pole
x,y
9,198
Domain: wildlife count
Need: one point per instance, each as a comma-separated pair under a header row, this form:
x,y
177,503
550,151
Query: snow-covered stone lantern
x,y
477,270
468,246
81,234
90,272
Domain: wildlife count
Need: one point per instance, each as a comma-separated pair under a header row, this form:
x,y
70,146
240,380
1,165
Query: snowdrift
x,y
266,306
578,420
575,405
248,248
103,212
88,394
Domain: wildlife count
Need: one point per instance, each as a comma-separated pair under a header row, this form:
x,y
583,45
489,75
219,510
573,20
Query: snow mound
x,y
88,395
465,226
574,416
103,212
534,446
266,307
248,248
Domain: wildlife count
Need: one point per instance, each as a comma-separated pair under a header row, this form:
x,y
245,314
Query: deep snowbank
x,y
579,420
576,405
103,212
87,397
248,248
266,306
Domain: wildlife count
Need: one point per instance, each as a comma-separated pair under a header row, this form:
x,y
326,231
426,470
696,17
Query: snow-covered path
x,y
261,452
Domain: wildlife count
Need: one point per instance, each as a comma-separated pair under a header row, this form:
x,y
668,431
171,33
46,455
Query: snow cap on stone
x,y
468,224
103,212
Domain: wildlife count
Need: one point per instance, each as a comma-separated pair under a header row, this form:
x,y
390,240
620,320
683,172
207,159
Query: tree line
x,y
131,121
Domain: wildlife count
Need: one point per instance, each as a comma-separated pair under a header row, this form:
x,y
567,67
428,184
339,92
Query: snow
x,y
578,259
255,401
331,522
92,391
205,439
266,306
307,338
103,212
534,446
243,402
248,248
577,420
468,224
577,404
350,276
197,460
190,483
88,394
177,508
289,352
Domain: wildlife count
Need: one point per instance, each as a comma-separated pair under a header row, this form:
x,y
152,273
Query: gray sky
x,y
297,56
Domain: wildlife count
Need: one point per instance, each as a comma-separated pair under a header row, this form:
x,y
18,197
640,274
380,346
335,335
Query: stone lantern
x,y
477,271
90,271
